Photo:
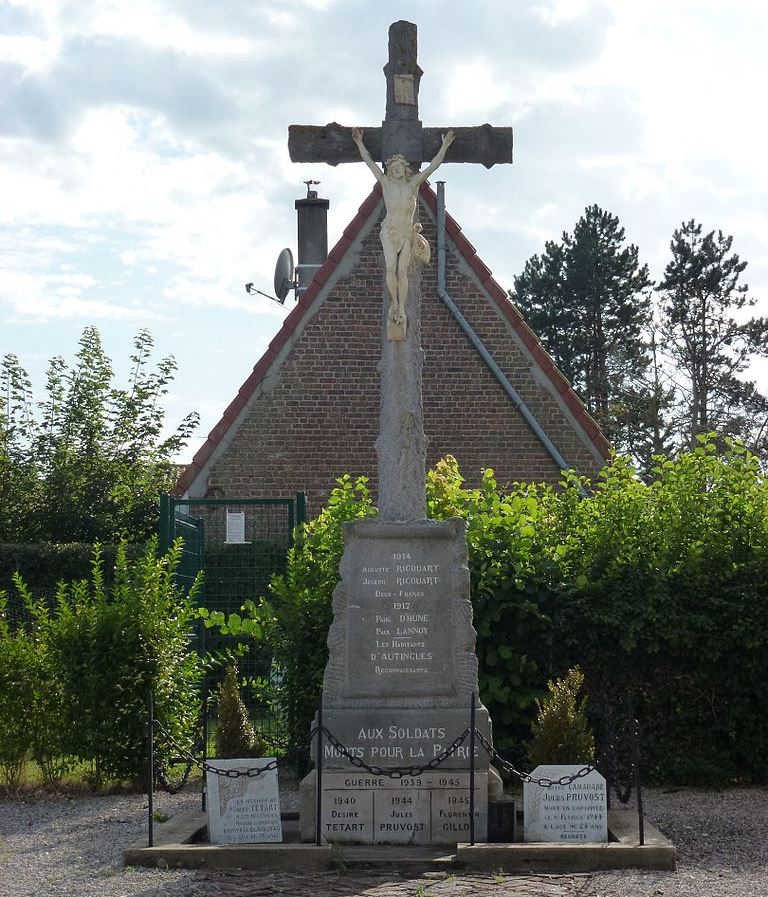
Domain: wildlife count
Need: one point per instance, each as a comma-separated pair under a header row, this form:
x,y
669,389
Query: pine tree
x,y
709,340
561,732
587,298
235,736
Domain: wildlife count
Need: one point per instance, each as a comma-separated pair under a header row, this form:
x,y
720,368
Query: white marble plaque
x,y
244,810
235,527
573,813
432,808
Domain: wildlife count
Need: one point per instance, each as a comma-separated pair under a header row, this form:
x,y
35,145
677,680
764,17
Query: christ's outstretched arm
x,y
357,136
438,160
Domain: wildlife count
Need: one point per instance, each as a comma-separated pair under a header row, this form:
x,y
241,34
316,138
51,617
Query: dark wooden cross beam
x,y
401,130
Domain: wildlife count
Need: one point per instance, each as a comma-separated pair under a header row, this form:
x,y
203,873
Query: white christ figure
x,y
400,237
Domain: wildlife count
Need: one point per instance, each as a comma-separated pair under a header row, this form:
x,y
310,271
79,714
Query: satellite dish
x,y
284,274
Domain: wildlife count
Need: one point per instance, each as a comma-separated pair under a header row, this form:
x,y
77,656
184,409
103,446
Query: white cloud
x,y
475,88
34,54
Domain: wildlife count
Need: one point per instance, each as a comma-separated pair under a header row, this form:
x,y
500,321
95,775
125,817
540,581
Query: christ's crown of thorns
x,y
398,157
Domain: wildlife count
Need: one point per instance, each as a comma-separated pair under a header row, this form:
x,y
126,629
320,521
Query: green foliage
x,y
654,589
92,463
561,732
16,695
91,662
49,743
587,298
510,572
235,736
43,566
296,619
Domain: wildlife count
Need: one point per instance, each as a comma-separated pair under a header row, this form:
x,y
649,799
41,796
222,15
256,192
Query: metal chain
x,y
525,776
165,783
395,772
252,772
162,779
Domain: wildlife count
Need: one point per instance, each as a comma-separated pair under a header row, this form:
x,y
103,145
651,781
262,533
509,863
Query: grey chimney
x,y
312,214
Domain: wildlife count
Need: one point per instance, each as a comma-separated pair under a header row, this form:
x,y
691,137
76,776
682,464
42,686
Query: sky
x,y
145,177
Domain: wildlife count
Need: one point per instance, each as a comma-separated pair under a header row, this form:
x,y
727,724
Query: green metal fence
x,y
239,544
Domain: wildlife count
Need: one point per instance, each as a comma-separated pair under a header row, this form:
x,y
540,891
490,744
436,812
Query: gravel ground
x,y
73,848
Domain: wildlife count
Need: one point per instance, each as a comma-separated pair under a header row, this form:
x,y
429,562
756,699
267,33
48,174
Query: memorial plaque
x,y
402,619
399,632
405,90
572,813
432,808
243,810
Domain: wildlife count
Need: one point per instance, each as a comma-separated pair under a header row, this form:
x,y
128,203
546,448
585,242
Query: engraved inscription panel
x,y
573,813
400,632
429,809
243,810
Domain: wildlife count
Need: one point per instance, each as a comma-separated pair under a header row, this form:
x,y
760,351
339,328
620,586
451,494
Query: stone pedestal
x,y
398,688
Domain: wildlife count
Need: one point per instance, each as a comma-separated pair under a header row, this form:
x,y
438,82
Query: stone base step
x,y
179,843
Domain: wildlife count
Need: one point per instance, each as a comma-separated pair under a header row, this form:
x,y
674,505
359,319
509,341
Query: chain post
x,y
151,769
636,769
319,771
472,772
204,752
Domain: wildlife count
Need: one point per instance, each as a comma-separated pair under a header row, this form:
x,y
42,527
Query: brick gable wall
x,y
315,415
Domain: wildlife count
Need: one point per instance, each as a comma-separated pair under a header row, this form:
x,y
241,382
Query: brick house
x,y
309,410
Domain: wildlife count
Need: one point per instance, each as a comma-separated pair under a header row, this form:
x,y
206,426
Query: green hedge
x,y
76,675
658,591
43,566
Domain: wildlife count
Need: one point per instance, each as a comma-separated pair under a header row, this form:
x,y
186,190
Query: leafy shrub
x,y
16,665
511,575
235,736
44,712
42,566
561,733
98,654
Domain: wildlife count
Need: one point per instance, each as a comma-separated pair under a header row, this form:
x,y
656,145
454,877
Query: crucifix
x,y
402,144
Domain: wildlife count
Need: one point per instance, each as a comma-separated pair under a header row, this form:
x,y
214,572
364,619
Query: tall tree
x,y
587,298
709,338
94,461
18,471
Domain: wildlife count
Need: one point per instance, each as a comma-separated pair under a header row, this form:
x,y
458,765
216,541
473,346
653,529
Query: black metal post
x,y
151,770
636,769
607,755
472,771
204,794
319,771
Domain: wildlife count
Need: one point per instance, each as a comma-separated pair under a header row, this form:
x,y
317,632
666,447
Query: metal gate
x,y
239,544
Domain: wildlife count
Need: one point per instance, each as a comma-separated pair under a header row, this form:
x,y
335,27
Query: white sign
x,y
573,813
235,527
243,810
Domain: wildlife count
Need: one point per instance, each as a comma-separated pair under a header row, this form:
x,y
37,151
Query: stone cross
x,y
401,446
401,130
